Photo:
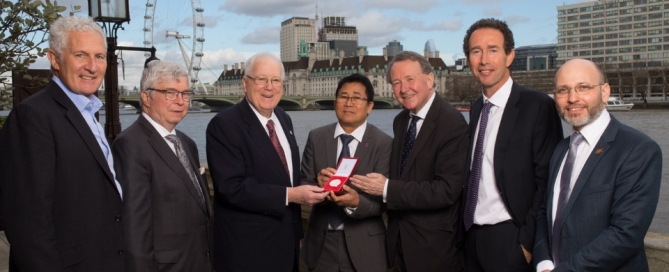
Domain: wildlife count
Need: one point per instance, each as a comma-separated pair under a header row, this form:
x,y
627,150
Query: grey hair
x,y
157,70
60,29
250,63
425,66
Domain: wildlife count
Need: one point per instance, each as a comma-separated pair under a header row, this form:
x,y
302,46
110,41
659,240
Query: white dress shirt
x,y
422,113
490,208
162,131
591,134
357,134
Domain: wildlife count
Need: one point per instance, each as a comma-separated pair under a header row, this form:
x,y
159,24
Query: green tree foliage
x,y
23,30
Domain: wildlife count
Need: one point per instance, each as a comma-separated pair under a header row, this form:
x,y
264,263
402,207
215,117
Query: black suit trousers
x,y
494,248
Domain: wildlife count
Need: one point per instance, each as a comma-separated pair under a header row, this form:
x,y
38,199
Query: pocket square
x,y
201,170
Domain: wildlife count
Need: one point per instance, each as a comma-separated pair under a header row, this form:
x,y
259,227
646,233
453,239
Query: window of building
x,y
572,25
639,41
625,42
625,34
598,52
597,37
572,18
597,29
666,38
638,56
640,17
654,40
584,46
572,32
588,23
572,47
598,7
626,27
639,33
584,53
612,51
611,36
561,47
611,59
625,57
584,9
626,3
625,50
640,25
626,19
611,5
655,7
612,13
640,2
560,33
598,14
597,44
572,40
654,1
655,15
654,23
612,21
561,19
598,22
573,10
585,39
614,43
626,11
561,12
654,31
585,31
612,28
666,30
640,9
639,49
562,26
654,48
665,47
666,54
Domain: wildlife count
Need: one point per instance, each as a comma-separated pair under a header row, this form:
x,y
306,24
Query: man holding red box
x,y
347,232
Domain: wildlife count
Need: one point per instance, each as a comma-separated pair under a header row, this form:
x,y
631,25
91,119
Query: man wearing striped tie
x,y
603,185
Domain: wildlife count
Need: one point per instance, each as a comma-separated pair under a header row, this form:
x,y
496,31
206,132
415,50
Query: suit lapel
x,y
590,164
400,131
77,120
261,139
556,163
505,132
196,169
331,146
362,151
423,134
287,127
164,151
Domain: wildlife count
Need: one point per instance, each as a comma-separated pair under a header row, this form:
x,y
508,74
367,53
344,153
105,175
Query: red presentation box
x,y
345,170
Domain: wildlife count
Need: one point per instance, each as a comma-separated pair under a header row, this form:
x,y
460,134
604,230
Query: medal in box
x,y
344,171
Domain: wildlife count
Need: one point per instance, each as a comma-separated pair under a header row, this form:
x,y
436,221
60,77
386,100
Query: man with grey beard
x,y
604,183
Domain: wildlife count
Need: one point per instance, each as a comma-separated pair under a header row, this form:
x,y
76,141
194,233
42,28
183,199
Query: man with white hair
x,y
61,202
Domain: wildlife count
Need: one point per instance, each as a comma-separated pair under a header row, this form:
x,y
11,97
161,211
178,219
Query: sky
x,y
237,29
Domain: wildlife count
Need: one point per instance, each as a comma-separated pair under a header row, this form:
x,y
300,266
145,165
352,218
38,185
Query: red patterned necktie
x,y
277,144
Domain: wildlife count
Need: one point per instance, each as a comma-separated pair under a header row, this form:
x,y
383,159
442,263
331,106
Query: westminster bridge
x,y
294,103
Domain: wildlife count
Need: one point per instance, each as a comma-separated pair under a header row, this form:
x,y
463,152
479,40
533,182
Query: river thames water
x,y
654,123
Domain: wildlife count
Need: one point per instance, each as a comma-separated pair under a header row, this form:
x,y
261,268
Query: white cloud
x,y
492,12
516,19
267,8
414,5
267,35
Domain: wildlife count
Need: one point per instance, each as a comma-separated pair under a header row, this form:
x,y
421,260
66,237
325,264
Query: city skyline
x,y
236,29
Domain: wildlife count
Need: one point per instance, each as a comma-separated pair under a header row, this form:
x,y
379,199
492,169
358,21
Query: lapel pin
x,y
366,144
599,151
291,132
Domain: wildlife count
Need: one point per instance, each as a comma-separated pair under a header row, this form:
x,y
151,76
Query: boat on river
x,y
615,104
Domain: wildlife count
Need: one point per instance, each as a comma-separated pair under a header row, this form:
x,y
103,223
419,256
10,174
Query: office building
x,y
534,57
339,35
616,33
430,49
394,47
294,31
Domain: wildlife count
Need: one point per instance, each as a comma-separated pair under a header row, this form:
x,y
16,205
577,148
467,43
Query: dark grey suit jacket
x,y
528,133
610,207
167,228
364,229
423,203
60,205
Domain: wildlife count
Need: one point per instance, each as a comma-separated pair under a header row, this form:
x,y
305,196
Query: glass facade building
x,y
534,57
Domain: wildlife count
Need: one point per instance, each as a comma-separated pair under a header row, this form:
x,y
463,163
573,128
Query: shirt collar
x,y
262,118
593,131
500,97
357,133
80,101
161,130
423,112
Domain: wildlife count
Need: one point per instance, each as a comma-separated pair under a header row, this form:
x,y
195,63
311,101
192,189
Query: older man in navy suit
x,y
604,183
254,162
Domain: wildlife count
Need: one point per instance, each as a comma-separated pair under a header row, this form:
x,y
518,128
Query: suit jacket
x,y
254,229
610,207
364,229
423,203
166,225
60,205
529,131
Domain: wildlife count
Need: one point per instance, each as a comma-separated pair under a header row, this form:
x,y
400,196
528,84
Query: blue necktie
x,y
565,188
409,140
475,174
337,213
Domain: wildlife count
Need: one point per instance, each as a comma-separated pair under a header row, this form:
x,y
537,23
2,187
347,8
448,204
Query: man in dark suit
x,y
514,132
427,163
254,163
347,233
604,183
61,203
167,215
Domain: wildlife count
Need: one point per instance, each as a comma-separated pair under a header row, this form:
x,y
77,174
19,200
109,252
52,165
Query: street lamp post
x,y
111,13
